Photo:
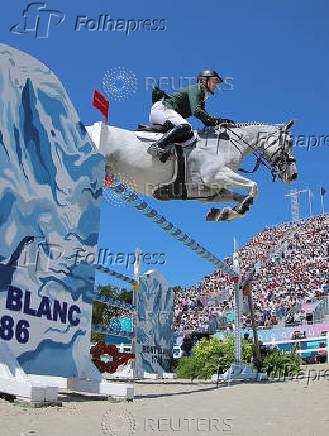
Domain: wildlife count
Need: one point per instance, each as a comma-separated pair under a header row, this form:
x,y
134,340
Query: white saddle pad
x,y
153,136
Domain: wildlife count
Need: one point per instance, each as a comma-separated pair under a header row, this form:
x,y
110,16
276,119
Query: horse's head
x,y
278,150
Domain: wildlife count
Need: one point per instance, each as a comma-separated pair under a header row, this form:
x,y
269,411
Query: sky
x,y
274,56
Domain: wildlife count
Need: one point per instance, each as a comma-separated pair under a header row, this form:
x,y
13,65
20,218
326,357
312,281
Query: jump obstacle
x,y
152,316
46,296
238,370
51,181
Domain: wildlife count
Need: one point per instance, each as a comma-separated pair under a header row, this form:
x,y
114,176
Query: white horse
x,y
212,162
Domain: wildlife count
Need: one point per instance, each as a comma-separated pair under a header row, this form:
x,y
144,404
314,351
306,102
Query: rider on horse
x,y
174,110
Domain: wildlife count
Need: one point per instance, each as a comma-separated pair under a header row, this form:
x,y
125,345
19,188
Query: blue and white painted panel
x,y
154,330
51,181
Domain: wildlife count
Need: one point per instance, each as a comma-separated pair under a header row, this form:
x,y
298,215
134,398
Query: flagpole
x,y
322,202
310,201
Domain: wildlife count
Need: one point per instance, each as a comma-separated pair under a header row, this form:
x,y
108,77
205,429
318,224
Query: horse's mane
x,y
257,123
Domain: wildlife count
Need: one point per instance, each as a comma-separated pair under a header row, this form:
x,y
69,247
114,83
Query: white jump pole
x,y
239,371
237,307
137,268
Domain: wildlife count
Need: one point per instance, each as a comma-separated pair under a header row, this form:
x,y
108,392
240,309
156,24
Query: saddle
x,y
152,133
156,128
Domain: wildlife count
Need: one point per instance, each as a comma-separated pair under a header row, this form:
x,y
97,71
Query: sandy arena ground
x,y
179,407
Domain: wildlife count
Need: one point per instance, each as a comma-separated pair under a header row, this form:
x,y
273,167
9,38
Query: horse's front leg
x,y
225,196
230,179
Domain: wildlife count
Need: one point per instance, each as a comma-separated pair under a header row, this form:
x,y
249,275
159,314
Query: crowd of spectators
x,y
292,269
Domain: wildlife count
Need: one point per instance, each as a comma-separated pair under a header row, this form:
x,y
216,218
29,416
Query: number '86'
x,y
8,329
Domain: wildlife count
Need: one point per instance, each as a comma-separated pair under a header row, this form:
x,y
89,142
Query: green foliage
x,y
125,296
102,312
120,294
176,289
98,312
97,337
188,367
209,357
213,356
277,363
107,291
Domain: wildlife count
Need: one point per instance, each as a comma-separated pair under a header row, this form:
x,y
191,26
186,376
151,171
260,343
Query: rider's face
x,y
213,82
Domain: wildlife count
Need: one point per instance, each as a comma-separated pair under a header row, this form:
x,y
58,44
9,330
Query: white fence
x,y
298,343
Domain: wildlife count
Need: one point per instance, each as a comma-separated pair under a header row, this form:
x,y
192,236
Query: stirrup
x,y
156,151
160,153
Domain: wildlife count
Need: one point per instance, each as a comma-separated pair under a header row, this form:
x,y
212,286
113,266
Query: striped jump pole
x,y
142,206
111,331
110,272
112,302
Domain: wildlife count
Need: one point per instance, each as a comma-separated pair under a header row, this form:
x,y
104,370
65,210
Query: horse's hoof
x,y
226,214
211,216
217,215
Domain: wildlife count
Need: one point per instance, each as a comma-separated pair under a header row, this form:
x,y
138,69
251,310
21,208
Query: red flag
x,y
100,102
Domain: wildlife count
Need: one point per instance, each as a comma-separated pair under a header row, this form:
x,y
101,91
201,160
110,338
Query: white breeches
x,y
160,114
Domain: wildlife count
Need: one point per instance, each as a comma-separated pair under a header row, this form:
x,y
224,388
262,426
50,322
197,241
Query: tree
x,y
176,289
102,312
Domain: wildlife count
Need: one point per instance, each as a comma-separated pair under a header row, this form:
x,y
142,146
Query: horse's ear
x,y
290,124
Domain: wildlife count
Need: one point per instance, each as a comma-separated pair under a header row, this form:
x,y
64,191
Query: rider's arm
x,y
197,103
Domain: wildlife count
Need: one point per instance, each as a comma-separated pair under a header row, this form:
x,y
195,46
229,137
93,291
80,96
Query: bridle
x,y
278,164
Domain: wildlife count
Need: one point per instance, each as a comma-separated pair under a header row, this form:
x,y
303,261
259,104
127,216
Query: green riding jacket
x,y
190,101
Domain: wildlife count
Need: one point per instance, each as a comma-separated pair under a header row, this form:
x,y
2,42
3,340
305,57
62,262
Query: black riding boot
x,y
161,147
